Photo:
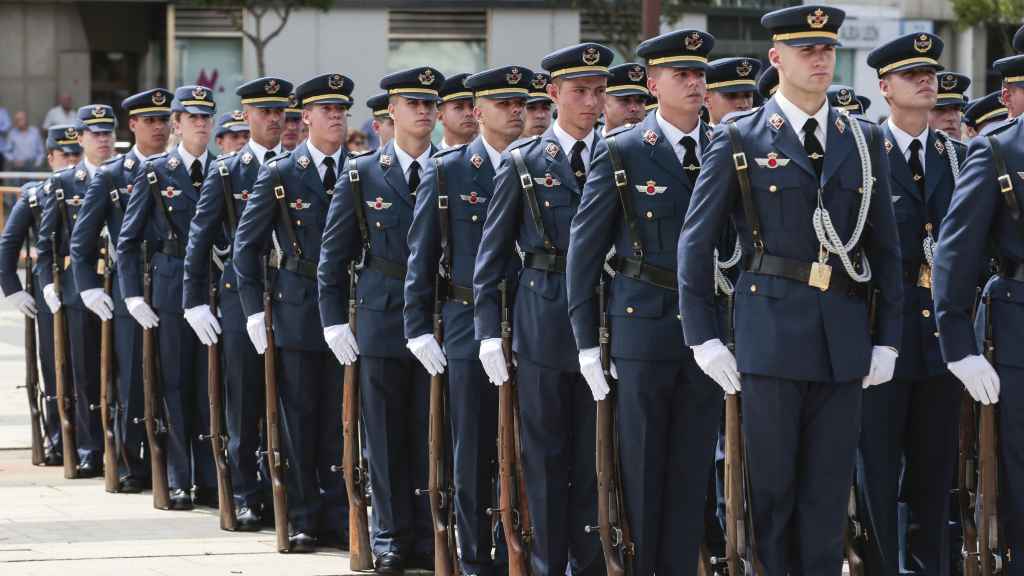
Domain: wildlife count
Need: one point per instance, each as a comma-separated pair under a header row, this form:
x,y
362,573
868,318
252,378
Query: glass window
x,y
845,60
212,62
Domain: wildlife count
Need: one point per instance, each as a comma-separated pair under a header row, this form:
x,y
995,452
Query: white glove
x,y
52,300
142,313
426,349
96,299
719,364
342,342
24,302
203,323
590,366
978,376
493,359
883,363
257,332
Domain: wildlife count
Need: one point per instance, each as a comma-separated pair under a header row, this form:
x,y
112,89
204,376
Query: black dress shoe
x,y
422,562
301,543
53,458
180,500
129,485
247,520
206,497
389,563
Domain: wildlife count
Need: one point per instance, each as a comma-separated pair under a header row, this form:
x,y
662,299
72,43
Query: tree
x,y
999,15
257,9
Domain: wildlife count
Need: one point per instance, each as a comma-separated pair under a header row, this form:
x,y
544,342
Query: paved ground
x,y
49,525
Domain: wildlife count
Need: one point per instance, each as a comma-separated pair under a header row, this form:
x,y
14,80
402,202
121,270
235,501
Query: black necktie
x,y
813,147
576,163
270,154
916,168
330,178
196,173
414,177
691,165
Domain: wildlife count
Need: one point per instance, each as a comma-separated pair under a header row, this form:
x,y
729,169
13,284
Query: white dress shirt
x,y
674,135
260,151
405,160
903,140
796,118
89,167
493,155
188,159
318,160
566,141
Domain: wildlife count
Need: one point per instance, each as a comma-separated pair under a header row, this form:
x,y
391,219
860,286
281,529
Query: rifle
x,y
35,411
967,470
65,402
152,410
512,504
360,556
612,523
218,436
855,536
990,535
440,488
275,459
108,390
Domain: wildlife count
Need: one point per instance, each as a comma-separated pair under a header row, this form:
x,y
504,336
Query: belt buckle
x,y
821,276
67,262
924,276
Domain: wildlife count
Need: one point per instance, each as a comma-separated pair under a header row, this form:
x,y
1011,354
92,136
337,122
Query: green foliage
x,y
995,15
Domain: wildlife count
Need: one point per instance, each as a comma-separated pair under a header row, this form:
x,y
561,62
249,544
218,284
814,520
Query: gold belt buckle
x,y
101,266
924,276
67,262
821,275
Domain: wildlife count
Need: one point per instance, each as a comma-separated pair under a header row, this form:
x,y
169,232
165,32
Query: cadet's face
x,y
57,159
385,129
946,119
1013,97
266,124
328,123
292,133
193,129
232,141
413,117
805,68
151,133
538,118
679,90
97,146
621,110
580,101
457,118
911,90
719,104
504,117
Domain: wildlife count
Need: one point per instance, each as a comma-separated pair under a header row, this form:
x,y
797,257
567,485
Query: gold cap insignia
x,y
636,74
514,77
427,77
844,97
539,81
923,43
70,133
159,99
99,111
693,41
271,87
948,82
199,93
744,69
237,115
817,19
335,82
591,56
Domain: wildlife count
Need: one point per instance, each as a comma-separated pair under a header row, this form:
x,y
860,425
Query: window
x,y
845,63
212,62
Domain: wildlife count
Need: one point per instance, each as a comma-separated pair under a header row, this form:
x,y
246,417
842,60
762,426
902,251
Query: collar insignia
x,y
385,160
888,146
303,161
777,121
551,150
939,147
129,163
651,137
476,161
80,175
172,163
246,158
840,125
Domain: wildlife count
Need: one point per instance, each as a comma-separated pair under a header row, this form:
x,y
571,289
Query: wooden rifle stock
x,y
153,410
218,435
65,394
275,458
992,551
108,390
967,470
35,410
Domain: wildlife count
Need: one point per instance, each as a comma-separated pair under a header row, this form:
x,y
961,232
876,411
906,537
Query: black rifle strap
x,y
622,185
115,196
526,181
358,206
443,221
229,198
162,209
1003,177
739,160
282,205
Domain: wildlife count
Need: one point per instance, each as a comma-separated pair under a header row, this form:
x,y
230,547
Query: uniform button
x,y
936,333
547,204
475,218
629,310
74,216
926,313
773,188
298,222
227,284
679,316
378,224
753,287
650,214
531,282
280,295
170,208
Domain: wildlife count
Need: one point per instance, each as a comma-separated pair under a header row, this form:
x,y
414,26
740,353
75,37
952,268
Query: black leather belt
x,y
800,271
545,262
644,272
384,266
172,248
299,266
462,294
1011,270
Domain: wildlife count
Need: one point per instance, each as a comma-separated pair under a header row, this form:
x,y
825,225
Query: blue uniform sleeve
x,y
205,226
496,248
133,232
960,253
592,234
252,239
424,255
883,249
11,241
340,245
85,238
49,224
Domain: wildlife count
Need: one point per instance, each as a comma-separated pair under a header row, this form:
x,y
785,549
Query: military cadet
x,y
383,126
627,96
669,411
455,112
800,200
62,151
449,248
947,115
907,431
865,103
162,204
650,104
369,221
290,201
731,83
843,97
96,136
96,233
557,412
225,193
294,130
1011,70
232,131
768,82
980,113
984,219
539,106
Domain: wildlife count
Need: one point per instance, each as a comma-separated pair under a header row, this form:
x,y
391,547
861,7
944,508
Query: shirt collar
x,y
318,156
567,141
187,158
90,167
903,139
405,160
674,134
492,154
797,117
138,154
260,151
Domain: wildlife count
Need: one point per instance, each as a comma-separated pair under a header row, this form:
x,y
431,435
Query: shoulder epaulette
x,y
155,157
362,153
620,130
63,170
997,127
113,160
523,142
449,150
226,155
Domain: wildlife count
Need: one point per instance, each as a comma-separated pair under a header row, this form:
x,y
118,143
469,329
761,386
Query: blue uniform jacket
x,y
296,320
379,298
16,229
71,183
786,329
644,318
541,328
469,183
106,200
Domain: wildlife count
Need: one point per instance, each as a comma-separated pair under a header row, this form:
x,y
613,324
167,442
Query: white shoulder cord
x,y
722,283
828,238
954,166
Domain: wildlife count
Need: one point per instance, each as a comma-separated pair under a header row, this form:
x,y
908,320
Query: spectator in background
x,y
356,142
5,129
62,113
25,150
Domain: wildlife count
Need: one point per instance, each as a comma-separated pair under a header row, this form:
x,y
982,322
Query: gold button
x,y
531,282
926,313
298,222
227,284
74,216
773,188
475,218
378,224
170,208
753,287
629,310
547,204
650,214
679,316
936,333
